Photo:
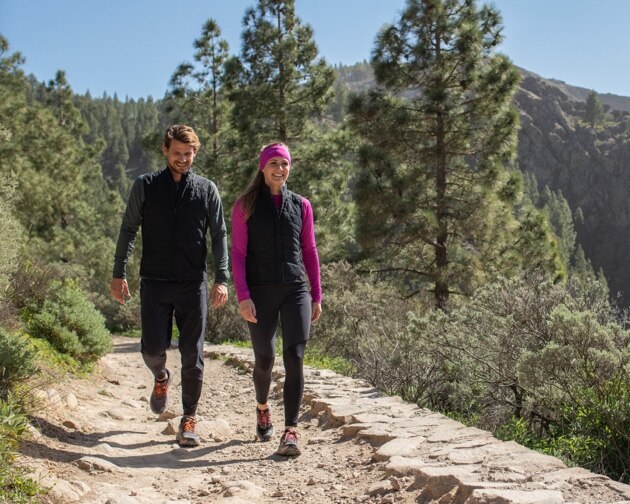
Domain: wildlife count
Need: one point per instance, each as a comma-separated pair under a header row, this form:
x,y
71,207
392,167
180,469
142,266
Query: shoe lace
x,y
188,424
160,388
290,436
264,418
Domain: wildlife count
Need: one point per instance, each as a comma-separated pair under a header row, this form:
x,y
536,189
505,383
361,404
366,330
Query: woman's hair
x,y
181,133
248,198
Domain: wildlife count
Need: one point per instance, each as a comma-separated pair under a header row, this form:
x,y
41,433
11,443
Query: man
x,y
175,208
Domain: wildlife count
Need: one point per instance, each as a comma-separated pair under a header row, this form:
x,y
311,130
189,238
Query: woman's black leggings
x,y
291,306
293,358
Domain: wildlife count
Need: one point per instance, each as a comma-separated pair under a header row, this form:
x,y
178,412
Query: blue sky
x,y
131,47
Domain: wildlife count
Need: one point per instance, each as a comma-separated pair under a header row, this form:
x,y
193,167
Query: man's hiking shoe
x,y
159,396
186,435
264,427
289,443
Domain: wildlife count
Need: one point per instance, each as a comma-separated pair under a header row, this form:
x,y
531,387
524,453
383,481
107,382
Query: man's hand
x,y
119,289
248,310
218,295
317,312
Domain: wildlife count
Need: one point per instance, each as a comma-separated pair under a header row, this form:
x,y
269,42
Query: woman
x,y
274,260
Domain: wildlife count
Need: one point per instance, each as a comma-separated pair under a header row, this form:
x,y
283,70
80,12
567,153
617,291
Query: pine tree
x,y
196,98
561,219
278,83
434,199
594,113
60,99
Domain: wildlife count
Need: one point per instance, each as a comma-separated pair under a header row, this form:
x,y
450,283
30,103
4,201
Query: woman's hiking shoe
x,y
289,443
186,435
159,396
264,427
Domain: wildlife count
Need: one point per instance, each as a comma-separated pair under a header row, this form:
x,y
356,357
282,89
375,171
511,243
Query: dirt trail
x,y
97,442
110,448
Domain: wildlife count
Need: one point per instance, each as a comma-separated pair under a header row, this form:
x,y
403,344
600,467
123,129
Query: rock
x,y
121,499
380,488
33,432
171,428
622,489
395,483
104,448
71,401
54,398
115,415
71,424
94,464
67,491
132,404
402,446
217,430
485,496
240,488
167,415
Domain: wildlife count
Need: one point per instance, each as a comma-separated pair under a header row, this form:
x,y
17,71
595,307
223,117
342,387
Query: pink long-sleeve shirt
x,y
307,239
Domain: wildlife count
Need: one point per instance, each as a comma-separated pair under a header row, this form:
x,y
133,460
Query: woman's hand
x,y
317,312
248,310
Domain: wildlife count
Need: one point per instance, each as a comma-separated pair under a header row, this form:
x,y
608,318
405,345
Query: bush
x,y
17,361
71,323
364,324
542,363
579,384
15,486
28,287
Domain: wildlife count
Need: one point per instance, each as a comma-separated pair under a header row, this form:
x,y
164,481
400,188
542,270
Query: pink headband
x,y
271,152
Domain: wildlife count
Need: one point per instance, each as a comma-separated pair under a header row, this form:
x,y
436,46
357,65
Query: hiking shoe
x,y
159,396
289,443
186,435
264,427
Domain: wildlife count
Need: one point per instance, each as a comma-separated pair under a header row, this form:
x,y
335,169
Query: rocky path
x,y
96,441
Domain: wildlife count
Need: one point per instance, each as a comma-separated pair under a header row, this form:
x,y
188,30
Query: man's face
x,y
179,156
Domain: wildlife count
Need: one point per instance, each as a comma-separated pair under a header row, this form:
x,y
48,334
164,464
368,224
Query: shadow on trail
x,y
176,458
90,439
133,346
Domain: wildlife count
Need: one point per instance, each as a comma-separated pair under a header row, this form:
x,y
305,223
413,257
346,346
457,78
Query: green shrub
x,y
71,323
17,361
15,486
12,423
363,331
544,364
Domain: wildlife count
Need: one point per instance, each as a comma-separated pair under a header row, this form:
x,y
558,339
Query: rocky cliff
x,y
590,165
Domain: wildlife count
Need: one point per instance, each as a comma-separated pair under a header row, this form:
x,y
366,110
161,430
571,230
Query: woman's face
x,y
276,173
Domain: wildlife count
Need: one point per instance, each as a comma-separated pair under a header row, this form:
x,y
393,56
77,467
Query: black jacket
x,y
175,219
274,249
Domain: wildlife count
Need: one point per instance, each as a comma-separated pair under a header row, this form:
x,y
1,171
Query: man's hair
x,y
181,133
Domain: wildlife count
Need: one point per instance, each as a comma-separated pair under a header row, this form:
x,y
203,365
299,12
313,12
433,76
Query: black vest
x,y
174,226
274,249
